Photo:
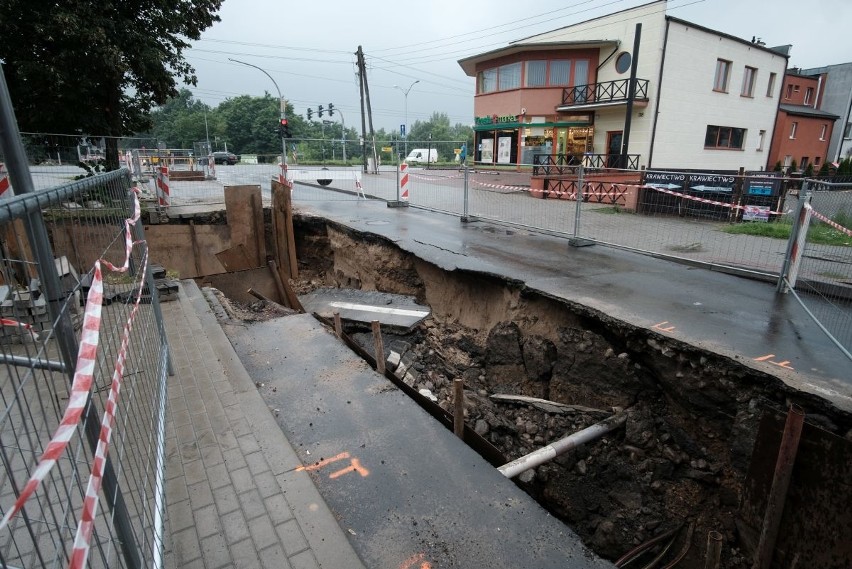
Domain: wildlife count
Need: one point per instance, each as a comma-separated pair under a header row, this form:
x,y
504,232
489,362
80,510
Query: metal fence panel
x,y
84,222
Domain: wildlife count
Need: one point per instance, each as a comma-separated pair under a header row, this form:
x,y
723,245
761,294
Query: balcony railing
x,y
567,164
606,92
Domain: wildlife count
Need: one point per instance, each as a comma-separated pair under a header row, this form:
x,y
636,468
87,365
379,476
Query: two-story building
x,y
837,99
703,99
802,130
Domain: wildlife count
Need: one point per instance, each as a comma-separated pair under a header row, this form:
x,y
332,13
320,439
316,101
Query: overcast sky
x,y
308,48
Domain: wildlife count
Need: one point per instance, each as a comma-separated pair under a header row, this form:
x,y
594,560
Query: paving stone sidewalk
x,y
234,498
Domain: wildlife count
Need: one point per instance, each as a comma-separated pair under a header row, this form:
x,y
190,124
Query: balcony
x,y
606,94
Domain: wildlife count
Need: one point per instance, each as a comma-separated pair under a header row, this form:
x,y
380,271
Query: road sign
x,y
402,130
387,149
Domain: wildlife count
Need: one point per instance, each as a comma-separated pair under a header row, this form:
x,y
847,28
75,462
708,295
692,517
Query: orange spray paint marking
x,y
659,326
320,464
354,467
768,359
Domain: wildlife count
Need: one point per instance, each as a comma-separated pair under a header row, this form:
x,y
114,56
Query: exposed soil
x,y
680,461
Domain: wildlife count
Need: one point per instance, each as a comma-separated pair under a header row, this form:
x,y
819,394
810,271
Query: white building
x,y
705,99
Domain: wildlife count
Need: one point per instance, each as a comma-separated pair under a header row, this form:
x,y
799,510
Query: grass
x,y
609,210
818,232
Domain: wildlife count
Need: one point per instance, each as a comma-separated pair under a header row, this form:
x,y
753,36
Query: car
x,y
225,158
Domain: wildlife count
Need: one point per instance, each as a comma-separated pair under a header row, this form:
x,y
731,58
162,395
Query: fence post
x,y
466,205
796,243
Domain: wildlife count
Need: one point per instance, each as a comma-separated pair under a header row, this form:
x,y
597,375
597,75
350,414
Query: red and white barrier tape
x,y
703,200
86,524
499,187
24,325
80,389
824,219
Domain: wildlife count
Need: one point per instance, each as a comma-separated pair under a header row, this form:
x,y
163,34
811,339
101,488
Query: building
x,y
703,99
802,130
837,100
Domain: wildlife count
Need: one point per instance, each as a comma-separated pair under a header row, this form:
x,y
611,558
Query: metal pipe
x,y
714,550
551,451
579,198
780,483
465,213
48,365
458,408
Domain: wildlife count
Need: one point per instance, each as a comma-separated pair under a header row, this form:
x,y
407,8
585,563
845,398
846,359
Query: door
x,y
613,148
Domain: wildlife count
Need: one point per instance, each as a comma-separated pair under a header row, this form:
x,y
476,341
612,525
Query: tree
x,y
97,67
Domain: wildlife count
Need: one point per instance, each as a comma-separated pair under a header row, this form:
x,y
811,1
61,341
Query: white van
x,y
420,154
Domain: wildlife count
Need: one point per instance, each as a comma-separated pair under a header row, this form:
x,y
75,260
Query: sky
x,y
309,49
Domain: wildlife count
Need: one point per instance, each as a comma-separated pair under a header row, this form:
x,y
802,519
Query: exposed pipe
x,y
634,553
714,550
780,483
551,451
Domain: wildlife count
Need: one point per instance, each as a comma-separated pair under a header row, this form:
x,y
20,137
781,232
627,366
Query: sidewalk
x,y
233,496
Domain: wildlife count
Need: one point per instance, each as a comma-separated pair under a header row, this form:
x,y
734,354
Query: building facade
x,y
837,100
703,99
802,130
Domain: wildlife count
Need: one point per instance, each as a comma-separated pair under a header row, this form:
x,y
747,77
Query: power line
x,y
270,56
273,46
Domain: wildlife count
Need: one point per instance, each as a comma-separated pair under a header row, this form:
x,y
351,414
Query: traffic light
x,y
310,114
284,129
319,111
331,109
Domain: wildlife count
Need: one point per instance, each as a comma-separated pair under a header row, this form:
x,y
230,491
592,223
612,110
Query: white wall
x,y
688,103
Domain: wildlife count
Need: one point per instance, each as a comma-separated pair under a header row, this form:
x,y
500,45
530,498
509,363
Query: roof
x,y
806,111
468,64
780,50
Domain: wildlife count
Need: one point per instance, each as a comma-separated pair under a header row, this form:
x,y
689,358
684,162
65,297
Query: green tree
x,y
97,67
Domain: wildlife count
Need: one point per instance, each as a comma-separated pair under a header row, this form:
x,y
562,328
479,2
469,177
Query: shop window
x,y
535,74
509,77
725,137
560,72
749,76
723,74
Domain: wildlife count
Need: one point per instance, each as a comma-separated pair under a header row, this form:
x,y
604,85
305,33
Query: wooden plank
x,y
545,405
282,226
235,285
242,212
236,258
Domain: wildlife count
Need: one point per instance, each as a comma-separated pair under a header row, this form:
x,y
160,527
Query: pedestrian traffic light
x,y
319,111
284,128
331,109
310,114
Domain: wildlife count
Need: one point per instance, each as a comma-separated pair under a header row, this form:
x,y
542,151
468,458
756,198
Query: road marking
x,y
768,359
660,325
320,464
411,562
354,466
379,309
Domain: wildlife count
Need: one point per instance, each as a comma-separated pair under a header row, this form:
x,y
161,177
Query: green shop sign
x,y
495,119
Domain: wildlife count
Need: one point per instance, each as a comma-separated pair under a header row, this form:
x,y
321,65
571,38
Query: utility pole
x,y
366,92
360,54
631,95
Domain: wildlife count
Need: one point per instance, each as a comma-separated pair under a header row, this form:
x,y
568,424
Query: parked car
x,y
225,158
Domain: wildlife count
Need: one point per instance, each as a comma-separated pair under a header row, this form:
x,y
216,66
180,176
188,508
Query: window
x,y
817,161
723,73
770,88
509,77
760,138
724,137
536,74
809,95
581,72
823,131
749,76
788,161
847,131
623,61
793,128
804,163
488,81
789,92
560,72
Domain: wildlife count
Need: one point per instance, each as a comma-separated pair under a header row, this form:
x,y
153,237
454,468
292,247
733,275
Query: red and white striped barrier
x,y
5,185
15,324
163,191
499,187
824,219
403,181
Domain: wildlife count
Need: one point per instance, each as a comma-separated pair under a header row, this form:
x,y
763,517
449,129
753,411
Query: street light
x,y
405,92
283,105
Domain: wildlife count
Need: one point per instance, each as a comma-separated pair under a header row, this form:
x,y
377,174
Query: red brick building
x,y
802,130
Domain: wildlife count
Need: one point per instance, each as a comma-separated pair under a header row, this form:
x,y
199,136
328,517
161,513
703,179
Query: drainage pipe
x,y
780,483
551,451
714,550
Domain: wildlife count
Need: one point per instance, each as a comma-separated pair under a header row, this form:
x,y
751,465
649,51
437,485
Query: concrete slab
x,y
406,490
392,310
